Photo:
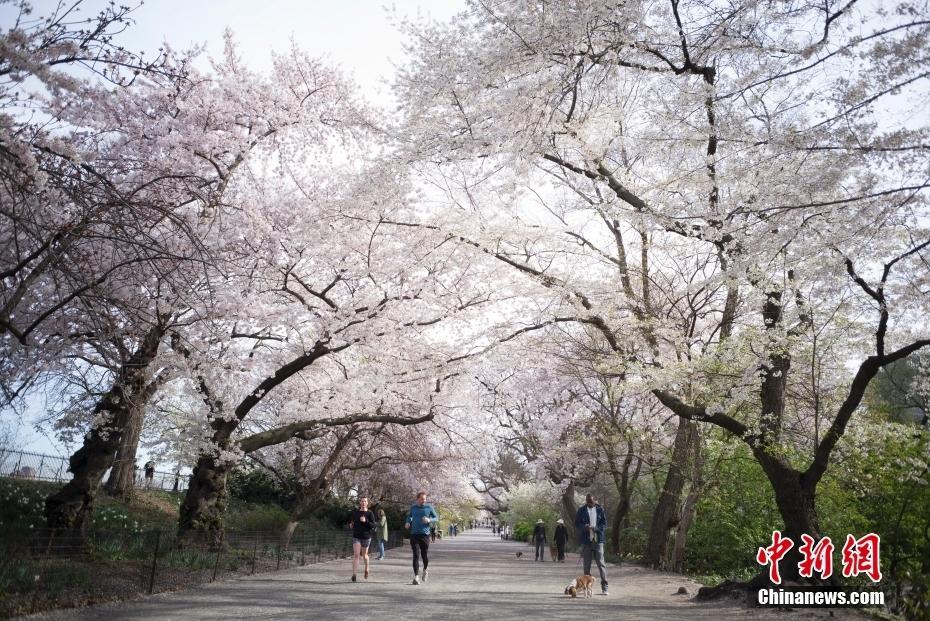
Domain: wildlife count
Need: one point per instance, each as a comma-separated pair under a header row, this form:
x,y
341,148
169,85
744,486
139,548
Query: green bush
x,y
255,517
335,512
528,503
522,531
257,486
735,515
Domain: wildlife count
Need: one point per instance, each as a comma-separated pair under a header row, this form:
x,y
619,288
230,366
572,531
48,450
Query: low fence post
x,y
278,549
154,561
254,552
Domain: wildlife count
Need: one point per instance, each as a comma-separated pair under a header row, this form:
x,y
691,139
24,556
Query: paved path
x,y
473,576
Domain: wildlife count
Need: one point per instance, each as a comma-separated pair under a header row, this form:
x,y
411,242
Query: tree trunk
x,y
201,513
677,558
568,511
305,502
796,505
123,473
311,493
205,501
616,524
666,514
288,532
625,490
70,507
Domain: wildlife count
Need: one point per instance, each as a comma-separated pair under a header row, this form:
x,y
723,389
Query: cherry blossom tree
x,y
326,313
707,186
166,153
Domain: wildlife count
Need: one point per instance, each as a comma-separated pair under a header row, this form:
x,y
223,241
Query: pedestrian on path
x,y
561,538
362,522
149,473
381,532
591,522
539,540
419,519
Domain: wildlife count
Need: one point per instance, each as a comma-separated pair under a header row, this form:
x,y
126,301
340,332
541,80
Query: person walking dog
x,y
591,522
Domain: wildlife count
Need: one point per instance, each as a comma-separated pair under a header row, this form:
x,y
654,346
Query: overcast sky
x,y
356,34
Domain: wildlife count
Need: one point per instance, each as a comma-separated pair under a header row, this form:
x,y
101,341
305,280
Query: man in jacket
x,y
419,520
591,522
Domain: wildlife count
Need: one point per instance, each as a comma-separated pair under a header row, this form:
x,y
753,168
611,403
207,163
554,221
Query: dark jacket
x,y
561,534
539,533
582,520
360,529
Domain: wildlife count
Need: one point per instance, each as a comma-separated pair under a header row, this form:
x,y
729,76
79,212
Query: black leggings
x,y
420,546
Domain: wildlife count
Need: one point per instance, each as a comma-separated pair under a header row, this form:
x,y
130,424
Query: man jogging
x,y
591,523
418,522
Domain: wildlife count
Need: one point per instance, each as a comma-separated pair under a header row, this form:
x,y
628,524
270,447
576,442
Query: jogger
x,y
419,520
362,523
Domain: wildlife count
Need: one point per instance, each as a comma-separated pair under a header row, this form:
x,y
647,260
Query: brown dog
x,y
584,584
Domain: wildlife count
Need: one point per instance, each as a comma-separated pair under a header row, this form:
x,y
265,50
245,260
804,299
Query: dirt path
x,y
473,576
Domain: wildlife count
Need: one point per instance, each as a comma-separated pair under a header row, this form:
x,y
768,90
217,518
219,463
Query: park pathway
x,y
472,576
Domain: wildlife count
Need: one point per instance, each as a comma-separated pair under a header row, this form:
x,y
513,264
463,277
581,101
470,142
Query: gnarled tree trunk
x,y
123,473
689,509
666,514
71,506
795,498
201,512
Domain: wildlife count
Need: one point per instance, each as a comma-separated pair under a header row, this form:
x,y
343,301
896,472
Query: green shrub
x,y
528,503
735,515
257,486
254,517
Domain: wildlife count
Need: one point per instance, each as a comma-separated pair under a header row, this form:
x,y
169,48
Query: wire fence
x,y
55,569
40,467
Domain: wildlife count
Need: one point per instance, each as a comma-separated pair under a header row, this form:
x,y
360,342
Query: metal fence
x,y
53,569
25,465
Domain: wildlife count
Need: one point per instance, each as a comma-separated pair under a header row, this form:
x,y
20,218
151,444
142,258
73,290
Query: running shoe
x,y
416,579
425,575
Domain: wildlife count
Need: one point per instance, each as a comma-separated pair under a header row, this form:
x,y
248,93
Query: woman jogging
x,y
362,523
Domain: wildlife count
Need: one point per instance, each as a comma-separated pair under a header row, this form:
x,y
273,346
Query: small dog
x,y
519,554
553,553
584,584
